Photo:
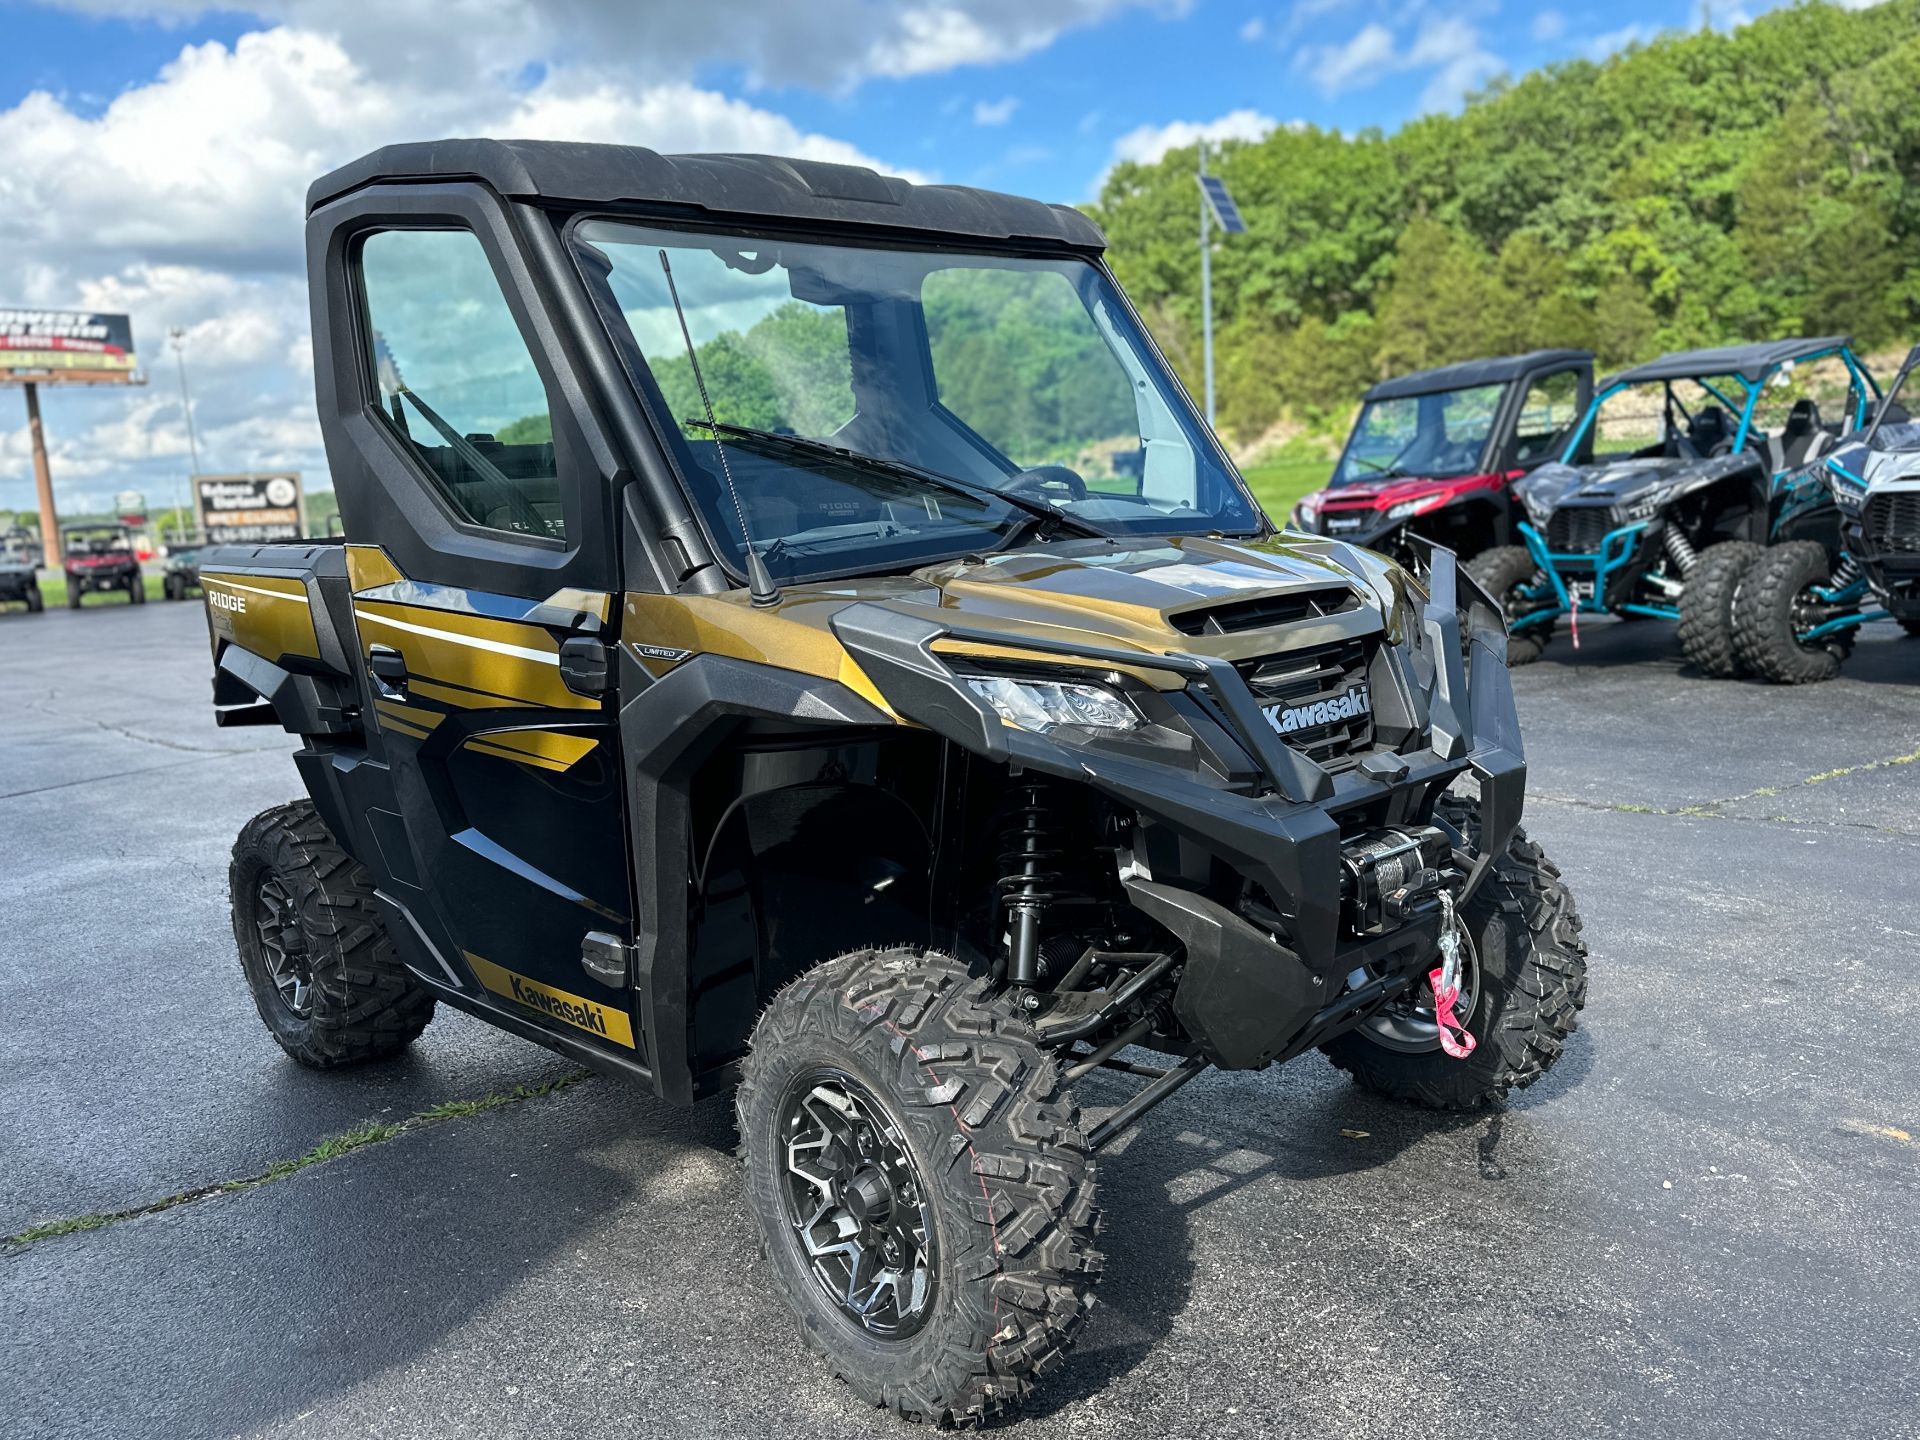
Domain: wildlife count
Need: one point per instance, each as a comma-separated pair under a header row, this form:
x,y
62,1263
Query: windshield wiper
x,y
1042,510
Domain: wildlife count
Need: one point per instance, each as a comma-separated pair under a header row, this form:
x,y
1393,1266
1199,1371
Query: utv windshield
x,y
882,408
1444,433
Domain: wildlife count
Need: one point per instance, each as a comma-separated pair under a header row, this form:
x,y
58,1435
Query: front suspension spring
x,y
1029,859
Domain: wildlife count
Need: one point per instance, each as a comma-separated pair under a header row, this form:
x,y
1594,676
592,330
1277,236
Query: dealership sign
x,y
244,509
56,342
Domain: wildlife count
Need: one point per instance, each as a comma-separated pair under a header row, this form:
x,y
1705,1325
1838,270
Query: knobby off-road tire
x,y
1530,984
74,594
35,601
1763,618
360,1002
998,1160
137,591
1912,627
173,588
1706,607
1500,572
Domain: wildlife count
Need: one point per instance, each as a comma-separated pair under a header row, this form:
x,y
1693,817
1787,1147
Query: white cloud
x,y
181,203
1547,25
1448,46
1149,143
995,112
823,43
1254,30
1361,61
1599,47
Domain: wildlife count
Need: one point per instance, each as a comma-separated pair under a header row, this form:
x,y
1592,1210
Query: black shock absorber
x,y
1029,860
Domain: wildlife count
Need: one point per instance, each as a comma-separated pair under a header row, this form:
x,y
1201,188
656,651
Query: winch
x,y
1388,876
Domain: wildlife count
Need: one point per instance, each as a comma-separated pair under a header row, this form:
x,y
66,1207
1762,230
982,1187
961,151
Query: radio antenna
x,y
759,582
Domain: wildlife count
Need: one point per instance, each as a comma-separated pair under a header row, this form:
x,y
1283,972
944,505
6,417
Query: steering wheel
x,y
1044,477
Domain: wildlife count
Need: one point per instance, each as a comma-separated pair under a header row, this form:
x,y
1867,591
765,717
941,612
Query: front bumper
x,y
1249,996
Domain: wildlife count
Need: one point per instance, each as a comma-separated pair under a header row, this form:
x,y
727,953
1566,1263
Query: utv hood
x,y
1384,494
1621,483
1163,594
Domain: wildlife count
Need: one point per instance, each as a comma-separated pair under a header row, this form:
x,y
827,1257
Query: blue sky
x,y
155,152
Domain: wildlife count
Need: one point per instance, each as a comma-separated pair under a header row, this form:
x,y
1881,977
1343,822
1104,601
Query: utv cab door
x,y
477,510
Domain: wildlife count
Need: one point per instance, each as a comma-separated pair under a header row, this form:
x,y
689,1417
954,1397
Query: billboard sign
x,y
248,509
47,344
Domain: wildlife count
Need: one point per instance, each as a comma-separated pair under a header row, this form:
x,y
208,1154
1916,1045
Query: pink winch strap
x,y
1454,1037
1576,622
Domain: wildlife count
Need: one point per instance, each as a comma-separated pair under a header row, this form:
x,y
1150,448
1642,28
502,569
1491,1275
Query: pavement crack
x,y
1717,809
126,733
137,770
376,1132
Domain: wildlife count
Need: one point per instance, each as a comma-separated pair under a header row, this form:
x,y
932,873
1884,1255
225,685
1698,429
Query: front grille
x,y
1579,529
1325,672
1267,610
1890,524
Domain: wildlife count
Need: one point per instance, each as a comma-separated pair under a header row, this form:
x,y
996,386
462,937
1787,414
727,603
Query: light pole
x,y
178,336
1216,208
1206,281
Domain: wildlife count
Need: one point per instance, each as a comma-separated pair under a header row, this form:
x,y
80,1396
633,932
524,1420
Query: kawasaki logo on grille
x,y
1292,719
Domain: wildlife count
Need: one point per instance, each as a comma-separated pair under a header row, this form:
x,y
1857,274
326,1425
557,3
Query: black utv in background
x,y
730,680
1669,490
1857,557
20,571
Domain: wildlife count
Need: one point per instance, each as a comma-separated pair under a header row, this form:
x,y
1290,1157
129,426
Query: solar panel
x,y
1221,203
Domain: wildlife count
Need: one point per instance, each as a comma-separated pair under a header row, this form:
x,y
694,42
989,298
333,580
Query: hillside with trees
x,y
1700,189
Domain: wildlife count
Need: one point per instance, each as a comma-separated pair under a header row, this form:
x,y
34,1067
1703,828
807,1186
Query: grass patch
x,y
53,590
374,1132
1280,480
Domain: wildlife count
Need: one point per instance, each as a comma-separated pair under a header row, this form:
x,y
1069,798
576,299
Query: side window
x,y
456,380
1548,413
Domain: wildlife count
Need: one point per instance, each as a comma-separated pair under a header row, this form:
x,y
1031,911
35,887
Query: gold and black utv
x,y
794,636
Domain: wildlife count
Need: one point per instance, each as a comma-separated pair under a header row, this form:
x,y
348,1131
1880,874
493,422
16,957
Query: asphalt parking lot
x,y
1702,1223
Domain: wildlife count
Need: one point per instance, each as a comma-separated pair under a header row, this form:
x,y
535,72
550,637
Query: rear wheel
x,y
1504,572
1777,611
921,1181
173,588
1523,982
1706,607
316,955
136,590
74,592
35,602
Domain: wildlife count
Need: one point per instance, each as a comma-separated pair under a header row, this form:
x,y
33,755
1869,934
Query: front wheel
x,y
35,604
173,588
1523,982
136,591
1777,612
1912,627
74,592
1706,607
921,1181
1504,573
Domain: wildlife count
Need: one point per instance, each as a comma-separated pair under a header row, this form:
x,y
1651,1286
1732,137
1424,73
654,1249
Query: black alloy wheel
x,y
857,1204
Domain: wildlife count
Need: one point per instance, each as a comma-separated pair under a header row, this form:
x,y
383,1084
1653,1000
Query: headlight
x,y
1306,515
1039,705
1406,509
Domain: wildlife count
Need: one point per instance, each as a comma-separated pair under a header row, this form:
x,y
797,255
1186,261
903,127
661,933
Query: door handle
x,y
388,667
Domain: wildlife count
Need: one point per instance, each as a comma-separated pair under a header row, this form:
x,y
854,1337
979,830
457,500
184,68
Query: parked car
x,y
864,761
1801,604
20,571
1434,455
181,575
101,557
1666,495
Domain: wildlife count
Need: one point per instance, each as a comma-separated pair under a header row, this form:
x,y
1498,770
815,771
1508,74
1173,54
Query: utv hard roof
x,y
1750,362
1469,373
756,187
